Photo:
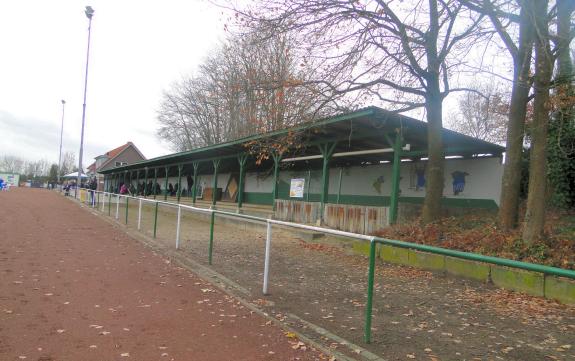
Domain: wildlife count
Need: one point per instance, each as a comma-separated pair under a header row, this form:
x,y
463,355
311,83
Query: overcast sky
x,y
137,49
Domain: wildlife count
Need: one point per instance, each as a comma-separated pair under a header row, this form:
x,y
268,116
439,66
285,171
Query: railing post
x,y
118,206
103,202
178,227
369,303
211,247
109,204
155,219
127,199
267,258
140,214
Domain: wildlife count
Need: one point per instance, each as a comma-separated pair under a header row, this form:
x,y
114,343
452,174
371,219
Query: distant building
x,y
123,155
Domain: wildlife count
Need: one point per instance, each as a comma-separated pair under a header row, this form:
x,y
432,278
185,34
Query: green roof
x,y
364,129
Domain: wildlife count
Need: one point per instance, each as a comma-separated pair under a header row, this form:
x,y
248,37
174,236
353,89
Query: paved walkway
x,y
73,287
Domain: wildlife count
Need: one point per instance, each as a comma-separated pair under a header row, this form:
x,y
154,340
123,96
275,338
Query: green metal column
x,y
277,158
138,183
127,207
155,219
195,185
146,182
179,192
339,184
155,181
242,158
166,184
126,178
395,179
327,151
216,163
308,185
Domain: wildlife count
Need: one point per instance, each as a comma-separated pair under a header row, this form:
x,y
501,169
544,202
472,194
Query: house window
x,y
119,164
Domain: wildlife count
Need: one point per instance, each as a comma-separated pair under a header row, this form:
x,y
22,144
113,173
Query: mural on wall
x,y
377,184
458,181
417,176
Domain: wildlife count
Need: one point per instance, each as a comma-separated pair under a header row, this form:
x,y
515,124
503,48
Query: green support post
x,y
126,178
127,199
155,182
211,247
368,305
146,182
308,185
179,192
195,185
155,219
326,151
166,184
395,178
339,184
216,163
138,183
242,158
277,158
109,204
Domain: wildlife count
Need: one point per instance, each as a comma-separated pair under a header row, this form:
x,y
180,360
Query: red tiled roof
x,y
92,167
114,152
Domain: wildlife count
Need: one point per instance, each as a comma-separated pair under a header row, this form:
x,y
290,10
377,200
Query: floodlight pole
x,y
89,13
61,133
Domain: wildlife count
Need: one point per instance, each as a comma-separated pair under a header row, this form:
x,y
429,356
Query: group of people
x,y
143,189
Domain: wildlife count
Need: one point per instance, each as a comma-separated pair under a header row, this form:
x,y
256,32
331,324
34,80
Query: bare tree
x,y
242,88
535,212
12,164
509,17
68,163
399,52
482,114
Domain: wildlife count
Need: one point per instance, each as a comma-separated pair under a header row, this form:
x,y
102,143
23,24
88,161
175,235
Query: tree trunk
x,y
535,213
510,186
434,182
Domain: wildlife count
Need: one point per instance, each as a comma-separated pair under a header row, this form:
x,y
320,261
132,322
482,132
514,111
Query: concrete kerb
x,y
233,289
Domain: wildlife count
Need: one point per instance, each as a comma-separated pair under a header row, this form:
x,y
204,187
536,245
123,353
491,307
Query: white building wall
x,y
483,179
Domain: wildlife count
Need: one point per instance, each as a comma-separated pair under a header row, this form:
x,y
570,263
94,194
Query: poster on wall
x,y
296,188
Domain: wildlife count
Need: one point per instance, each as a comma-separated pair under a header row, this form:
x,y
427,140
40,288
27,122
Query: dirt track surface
x,y
73,287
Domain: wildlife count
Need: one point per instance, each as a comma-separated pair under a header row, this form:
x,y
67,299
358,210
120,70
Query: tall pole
x,y
89,13
61,133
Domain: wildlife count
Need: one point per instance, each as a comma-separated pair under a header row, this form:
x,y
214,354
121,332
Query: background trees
x,y
244,87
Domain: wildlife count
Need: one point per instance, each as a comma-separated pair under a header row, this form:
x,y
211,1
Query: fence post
x,y
103,202
155,219
211,248
140,214
178,227
118,207
127,199
267,257
368,305
109,204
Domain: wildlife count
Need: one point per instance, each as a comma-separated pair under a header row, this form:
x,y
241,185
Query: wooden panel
x,y
350,218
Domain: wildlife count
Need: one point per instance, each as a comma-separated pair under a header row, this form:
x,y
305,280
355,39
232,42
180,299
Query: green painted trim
x,y
216,163
242,158
167,169
456,202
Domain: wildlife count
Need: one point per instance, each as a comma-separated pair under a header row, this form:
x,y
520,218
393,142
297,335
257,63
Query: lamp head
x,y
89,12
63,102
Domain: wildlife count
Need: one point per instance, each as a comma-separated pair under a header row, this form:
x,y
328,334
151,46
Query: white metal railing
x,y
106,198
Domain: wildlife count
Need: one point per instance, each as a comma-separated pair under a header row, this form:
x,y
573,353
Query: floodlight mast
x,y
89,13
61,133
